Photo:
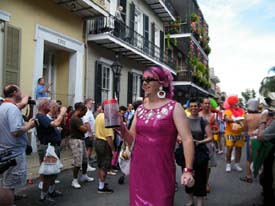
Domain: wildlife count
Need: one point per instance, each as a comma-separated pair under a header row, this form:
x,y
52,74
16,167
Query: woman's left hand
x,y
187,179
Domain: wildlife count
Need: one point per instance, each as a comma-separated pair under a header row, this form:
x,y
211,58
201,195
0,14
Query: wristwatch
x,y
186,170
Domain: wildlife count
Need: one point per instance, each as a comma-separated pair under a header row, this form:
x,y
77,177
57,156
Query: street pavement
x,y
226,190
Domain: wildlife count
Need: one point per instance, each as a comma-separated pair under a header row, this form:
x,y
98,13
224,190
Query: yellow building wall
x,y
26,14
62,66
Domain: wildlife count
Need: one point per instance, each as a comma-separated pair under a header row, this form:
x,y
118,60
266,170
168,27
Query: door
x,y
49,72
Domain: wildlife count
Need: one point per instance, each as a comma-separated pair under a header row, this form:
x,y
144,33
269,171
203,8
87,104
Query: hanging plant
x,y
194,18
168,45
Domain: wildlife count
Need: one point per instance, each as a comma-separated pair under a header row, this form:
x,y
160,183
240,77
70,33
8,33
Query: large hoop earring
x,y
161,93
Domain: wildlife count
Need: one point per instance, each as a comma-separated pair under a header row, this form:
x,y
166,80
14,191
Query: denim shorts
x,y
15,176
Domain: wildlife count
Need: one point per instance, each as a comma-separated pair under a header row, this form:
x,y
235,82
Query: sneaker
x,y
86,178
238,168
75,184
48,201
105,190
228,167
90,169
55,193
115,168
111,173
121,180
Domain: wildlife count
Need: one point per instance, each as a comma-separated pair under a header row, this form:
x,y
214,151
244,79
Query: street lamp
x,y
116,68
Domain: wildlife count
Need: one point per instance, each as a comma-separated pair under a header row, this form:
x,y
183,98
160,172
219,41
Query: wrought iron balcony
x,y
163,8
184,75
117,36
86,8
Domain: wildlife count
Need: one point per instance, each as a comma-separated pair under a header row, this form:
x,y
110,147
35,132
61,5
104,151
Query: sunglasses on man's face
x,y
148,79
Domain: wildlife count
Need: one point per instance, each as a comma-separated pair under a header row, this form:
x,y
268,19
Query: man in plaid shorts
x,y
77,145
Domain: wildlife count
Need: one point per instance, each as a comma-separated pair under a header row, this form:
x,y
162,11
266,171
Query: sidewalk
x,y
33,163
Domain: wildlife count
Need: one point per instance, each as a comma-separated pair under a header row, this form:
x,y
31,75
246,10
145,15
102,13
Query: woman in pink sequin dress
x,y
155,127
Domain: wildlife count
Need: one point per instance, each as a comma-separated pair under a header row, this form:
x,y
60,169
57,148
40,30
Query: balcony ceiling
x,y
183,84
159,7
83,8
116,45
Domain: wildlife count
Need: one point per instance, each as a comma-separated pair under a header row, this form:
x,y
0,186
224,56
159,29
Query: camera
x,y
36,122
31,101
271,113
5,161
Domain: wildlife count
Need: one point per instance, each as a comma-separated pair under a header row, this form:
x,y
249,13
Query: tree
x,y
248,94
268,83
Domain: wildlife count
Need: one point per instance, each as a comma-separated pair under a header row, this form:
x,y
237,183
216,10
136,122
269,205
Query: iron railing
x,y
129,36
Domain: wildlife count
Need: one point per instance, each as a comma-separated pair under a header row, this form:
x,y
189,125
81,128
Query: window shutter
x,y
141,90
130,88
98,83
153,39
132,22
123,3
146,33
11,73
161,45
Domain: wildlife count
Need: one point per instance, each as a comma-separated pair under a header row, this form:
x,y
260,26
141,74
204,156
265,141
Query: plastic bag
x,y
51,164
124,159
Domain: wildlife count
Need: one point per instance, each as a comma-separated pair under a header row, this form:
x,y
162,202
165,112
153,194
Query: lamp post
x,y
116,68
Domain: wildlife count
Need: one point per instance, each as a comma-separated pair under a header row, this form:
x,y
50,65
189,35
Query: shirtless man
x,y
251,122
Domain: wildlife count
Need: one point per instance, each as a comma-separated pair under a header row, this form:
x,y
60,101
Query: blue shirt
x,y
39,90
46,133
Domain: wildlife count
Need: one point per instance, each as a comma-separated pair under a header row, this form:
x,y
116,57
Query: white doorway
x,y
45,36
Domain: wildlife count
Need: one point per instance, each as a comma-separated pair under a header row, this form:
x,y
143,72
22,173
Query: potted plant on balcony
x,y
194,25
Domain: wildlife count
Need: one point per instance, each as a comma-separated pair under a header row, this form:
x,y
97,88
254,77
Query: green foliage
x,y
248,94
195,18
267,85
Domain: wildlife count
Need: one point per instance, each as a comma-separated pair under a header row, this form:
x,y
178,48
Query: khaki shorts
x,y
234,141
15,176
79,152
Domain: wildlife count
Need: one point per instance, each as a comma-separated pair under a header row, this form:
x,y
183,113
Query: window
x,y
106,88
136,86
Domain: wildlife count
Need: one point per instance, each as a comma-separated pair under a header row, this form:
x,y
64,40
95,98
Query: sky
x,y
242,41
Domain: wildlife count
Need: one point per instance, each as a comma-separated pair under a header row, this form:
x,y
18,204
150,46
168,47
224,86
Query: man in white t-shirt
x,y
89,121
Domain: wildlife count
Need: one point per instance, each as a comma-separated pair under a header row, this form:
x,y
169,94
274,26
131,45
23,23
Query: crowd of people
x,y
154,125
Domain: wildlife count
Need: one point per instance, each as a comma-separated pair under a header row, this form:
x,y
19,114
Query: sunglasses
x,y
148,79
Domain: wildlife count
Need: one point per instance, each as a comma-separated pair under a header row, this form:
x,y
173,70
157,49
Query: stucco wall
x,y
26,14
95,53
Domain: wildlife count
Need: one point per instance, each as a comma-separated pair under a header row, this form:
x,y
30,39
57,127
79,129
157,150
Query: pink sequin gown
x,y
152,170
